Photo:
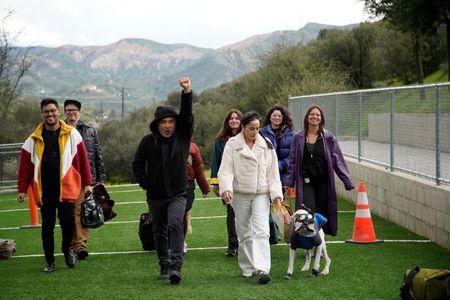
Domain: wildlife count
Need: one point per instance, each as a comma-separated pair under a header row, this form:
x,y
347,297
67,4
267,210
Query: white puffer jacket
x,y
249,171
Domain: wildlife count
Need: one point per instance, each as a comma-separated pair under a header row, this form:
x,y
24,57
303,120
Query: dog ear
x,y
307,209
292,218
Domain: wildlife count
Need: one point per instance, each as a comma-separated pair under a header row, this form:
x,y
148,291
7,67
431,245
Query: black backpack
x,y
146,231
91,212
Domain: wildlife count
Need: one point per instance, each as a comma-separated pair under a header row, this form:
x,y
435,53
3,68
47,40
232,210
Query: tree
x,y
348,52
416,17
14,64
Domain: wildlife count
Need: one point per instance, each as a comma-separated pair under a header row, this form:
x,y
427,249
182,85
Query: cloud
x,y
197,22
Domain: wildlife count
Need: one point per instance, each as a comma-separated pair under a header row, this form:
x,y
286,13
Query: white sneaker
x,y
185,247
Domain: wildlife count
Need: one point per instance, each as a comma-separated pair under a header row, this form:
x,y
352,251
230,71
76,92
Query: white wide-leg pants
x,y
252,228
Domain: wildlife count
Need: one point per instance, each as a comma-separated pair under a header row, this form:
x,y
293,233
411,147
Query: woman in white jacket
x,y
248,179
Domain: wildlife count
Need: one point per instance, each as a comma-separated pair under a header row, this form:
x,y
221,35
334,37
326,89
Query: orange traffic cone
x,y
363,232
33,212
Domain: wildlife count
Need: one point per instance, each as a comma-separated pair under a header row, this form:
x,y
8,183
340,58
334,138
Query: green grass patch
x,y
117,268
438,76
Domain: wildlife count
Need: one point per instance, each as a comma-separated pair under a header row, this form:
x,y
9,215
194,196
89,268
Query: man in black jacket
x,y
159,167
72,110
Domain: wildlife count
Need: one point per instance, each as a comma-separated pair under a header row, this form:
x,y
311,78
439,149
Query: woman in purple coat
x,y
314,157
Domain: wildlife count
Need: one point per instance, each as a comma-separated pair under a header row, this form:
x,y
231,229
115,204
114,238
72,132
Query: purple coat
x,y
335,163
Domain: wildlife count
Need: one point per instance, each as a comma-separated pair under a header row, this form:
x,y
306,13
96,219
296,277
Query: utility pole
x,y
123,103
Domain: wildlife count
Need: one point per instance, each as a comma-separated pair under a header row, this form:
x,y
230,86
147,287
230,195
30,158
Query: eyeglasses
x,y
49,111
72,110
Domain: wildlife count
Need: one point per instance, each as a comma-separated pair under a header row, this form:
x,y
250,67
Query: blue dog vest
x,y
308,242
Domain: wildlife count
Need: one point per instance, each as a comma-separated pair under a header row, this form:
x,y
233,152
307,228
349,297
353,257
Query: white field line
x,y
14,210
127,222
203,249
136,221
141,202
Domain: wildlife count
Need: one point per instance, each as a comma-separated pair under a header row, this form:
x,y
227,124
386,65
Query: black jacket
x,y
93,150
163,181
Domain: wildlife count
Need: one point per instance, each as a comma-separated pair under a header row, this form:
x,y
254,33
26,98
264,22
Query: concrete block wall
x,y
413,203
409,129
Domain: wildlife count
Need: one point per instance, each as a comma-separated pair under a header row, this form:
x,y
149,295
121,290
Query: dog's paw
x,y
314,273
288,276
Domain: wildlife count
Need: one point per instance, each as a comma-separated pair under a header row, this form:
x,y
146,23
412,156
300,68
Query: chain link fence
x,y
404,129
9,165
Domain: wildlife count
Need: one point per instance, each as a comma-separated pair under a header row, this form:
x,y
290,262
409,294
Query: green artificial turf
x,y
117,268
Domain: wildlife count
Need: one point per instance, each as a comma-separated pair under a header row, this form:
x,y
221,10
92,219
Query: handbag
x,y
91,212
146,231
281,214
105,202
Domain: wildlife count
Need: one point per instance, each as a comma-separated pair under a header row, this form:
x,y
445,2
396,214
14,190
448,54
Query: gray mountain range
x,y
147,71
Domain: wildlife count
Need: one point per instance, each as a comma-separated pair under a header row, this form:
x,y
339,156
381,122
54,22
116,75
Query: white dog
x,y
307,233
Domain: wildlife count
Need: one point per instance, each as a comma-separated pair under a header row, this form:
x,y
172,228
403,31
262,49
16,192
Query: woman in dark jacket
x,y
315,156
230,127
278,129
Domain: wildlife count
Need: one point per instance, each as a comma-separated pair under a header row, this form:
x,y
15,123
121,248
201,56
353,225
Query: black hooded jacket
x,y
159,163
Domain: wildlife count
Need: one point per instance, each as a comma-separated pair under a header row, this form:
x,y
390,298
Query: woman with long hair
x,y
278,129
230,127
314,158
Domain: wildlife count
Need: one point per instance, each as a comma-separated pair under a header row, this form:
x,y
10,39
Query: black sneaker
x,y
231,252
175,277
164,273
263,277
70,258
82,254
50,267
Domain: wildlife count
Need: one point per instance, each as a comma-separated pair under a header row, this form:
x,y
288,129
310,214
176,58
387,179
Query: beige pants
x,y
80,234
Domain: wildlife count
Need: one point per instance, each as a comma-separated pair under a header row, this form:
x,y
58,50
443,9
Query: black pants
x,y
315,197
66,220
231,229
168,215
190,200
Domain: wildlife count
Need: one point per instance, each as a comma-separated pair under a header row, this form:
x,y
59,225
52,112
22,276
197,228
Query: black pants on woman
x,y
51,204
190,200
231,228
315,197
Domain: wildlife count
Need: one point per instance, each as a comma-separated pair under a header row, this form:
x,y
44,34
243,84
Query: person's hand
x,y
277,200
349,188
185,83
20,197
216,190
87,188
226,196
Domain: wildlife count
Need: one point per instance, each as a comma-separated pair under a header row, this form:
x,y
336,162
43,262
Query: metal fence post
x,y
359,126
437,138
335,115
391,130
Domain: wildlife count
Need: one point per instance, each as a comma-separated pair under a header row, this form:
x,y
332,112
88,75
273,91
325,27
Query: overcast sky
x,y
202,23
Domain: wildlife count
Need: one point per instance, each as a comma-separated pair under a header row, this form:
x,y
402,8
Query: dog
x,y
307,233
